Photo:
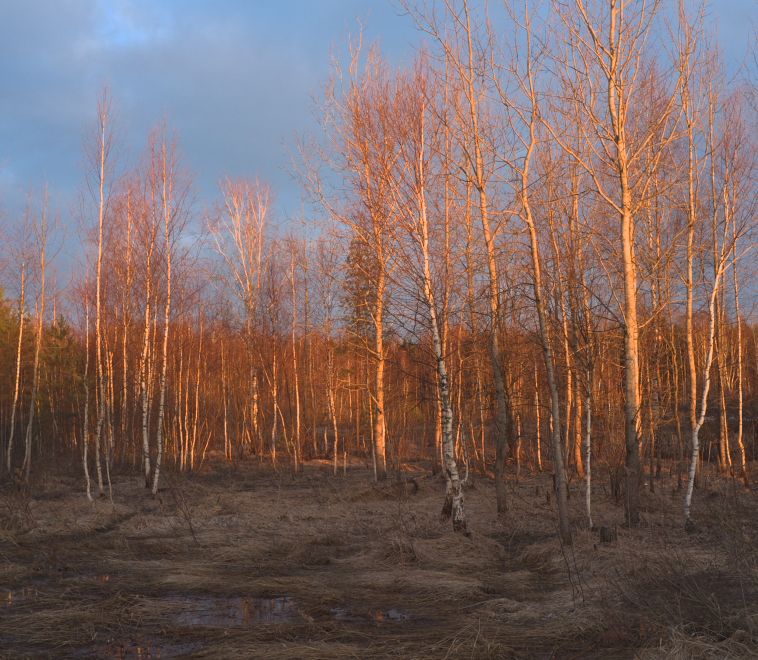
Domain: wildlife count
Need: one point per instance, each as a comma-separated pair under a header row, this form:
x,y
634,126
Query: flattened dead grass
x,y
371,571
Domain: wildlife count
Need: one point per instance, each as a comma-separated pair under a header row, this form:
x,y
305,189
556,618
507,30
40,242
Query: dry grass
x,y
253,563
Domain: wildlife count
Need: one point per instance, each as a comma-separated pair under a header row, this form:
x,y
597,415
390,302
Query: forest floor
x,y
248,562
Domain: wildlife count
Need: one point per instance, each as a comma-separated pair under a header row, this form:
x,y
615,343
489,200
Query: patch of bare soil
x,y
254,563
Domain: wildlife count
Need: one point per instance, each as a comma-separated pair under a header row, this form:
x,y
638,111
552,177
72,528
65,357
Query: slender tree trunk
x,y
695,444
297,457
588,449
565,337
632,404
697,420
379,428
21,306
740,395
275,405
690,286
332,406
725,454
544,329
502,404
547,352
126,321
225,398
102,401
40,309
167,203
146,372
538,422
85,426
196,416
27,464
453,506
181,417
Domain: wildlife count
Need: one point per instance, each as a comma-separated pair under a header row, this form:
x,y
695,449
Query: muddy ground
x,y
247,562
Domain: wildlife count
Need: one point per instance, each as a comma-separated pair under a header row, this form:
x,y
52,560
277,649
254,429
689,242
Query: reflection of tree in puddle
x,y
341,613
267,610
392,615
10,597
376,617
206,611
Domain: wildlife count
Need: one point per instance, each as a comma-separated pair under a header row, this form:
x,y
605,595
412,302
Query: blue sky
x,y
234,79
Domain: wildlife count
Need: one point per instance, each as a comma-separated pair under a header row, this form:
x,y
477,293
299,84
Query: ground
x,y
248,562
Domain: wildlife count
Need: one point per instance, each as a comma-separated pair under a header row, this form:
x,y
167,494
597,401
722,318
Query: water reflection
x,y
9,597
376,617
392,615
224,612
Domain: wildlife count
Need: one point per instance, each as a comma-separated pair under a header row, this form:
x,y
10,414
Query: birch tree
x,y
609,132
522,109
722,156
85,420
41,240
239,234
17,380
148,230
411,187
101,165
358,116
168,201
467,61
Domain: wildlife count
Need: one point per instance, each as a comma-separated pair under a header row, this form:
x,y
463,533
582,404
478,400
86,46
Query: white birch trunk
x,y
167,194
740,396
101,397
695,446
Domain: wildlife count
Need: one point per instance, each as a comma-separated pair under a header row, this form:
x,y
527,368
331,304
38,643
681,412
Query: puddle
x,y
376,617
392,615
139,650
342,614
9,598
228,612
92,579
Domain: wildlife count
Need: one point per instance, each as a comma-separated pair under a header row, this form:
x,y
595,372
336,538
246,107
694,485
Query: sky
x,y
235,80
